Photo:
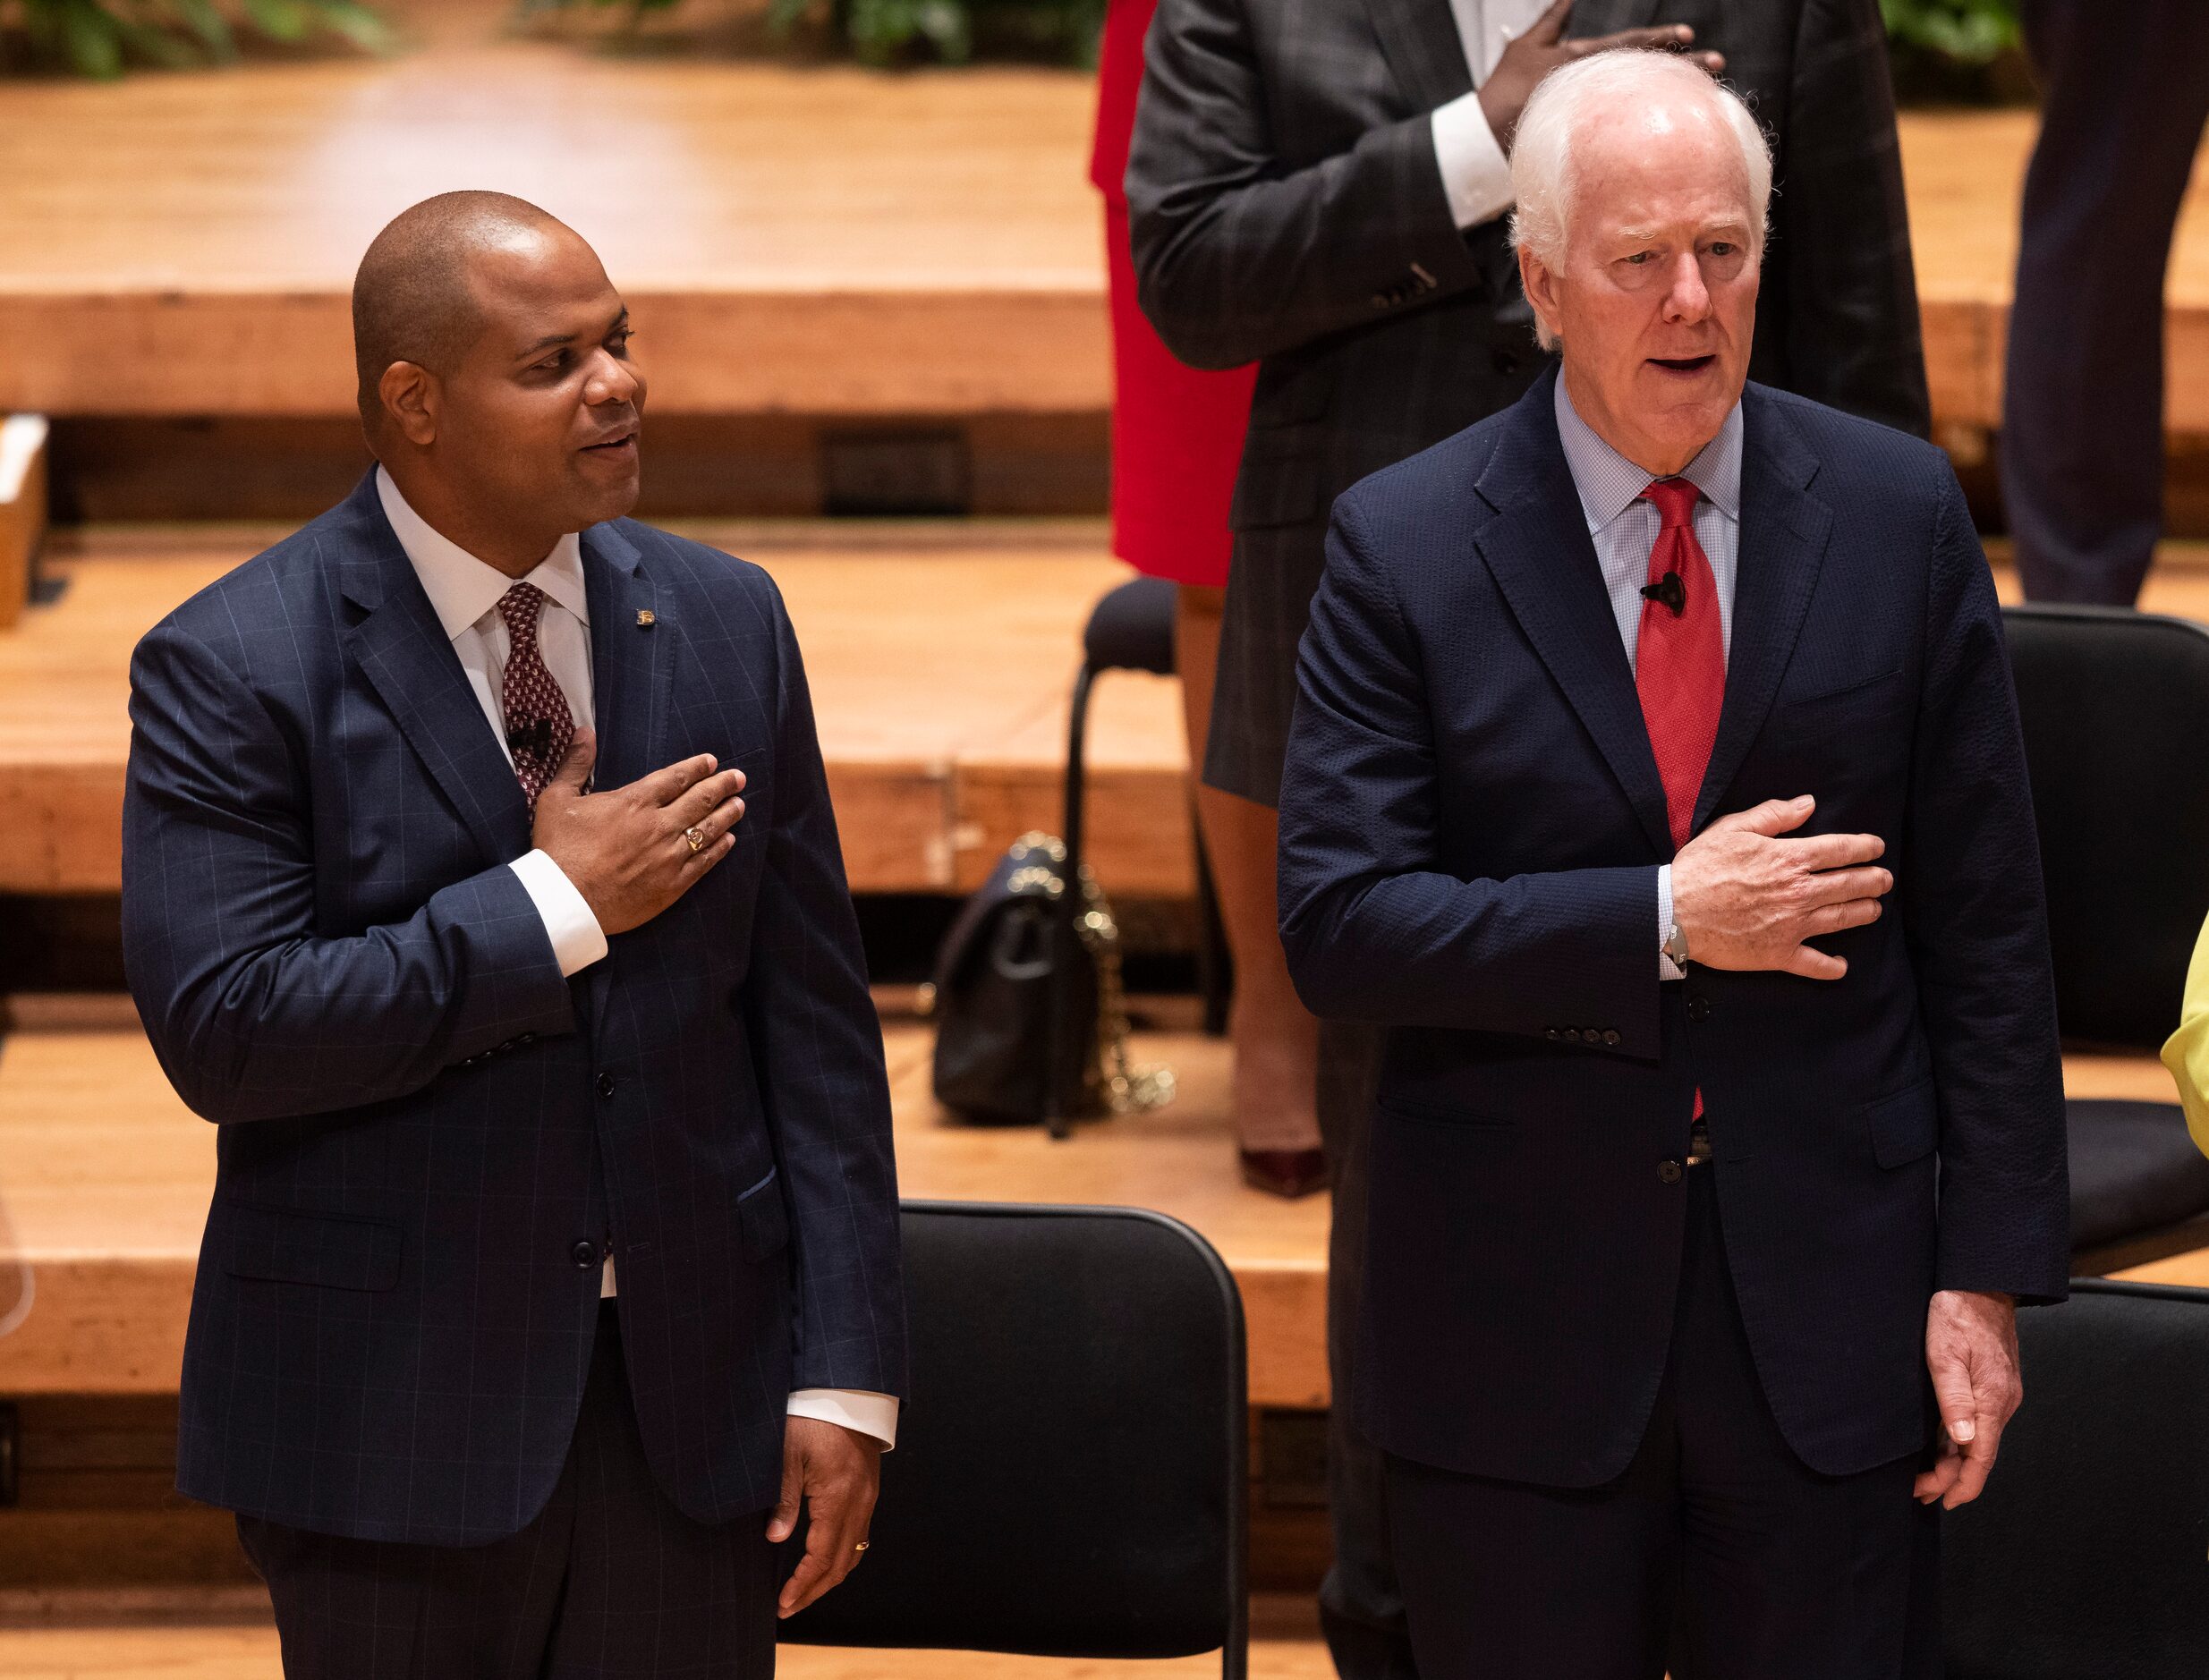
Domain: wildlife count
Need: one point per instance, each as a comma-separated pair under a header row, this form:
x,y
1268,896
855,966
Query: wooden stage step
x,y
108,1177
799,239
941,657
941,653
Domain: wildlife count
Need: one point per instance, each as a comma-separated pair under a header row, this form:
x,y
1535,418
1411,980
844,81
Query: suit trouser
x,y
2126,91
1361,1605
1716,1536
610,1579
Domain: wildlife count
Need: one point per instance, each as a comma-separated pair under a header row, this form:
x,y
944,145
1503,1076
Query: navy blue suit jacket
x,y
425,1129
1470,822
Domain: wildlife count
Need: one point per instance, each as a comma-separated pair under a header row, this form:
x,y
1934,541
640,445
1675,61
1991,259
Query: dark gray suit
x,y
1287,208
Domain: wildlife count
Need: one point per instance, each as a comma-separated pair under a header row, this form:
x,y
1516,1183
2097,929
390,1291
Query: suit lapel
x,y
631,665
1538,549
1418,39
1784,530
402,650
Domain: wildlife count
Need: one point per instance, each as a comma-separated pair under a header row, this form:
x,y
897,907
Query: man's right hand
x,y
1745,898
1542,48
626,850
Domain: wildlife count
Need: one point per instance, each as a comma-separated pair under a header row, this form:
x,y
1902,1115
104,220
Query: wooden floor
x,y
108,1177
816,239
1280,1649
940,658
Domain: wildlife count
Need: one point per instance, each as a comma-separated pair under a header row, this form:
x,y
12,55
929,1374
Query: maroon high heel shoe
x,y
1290,1174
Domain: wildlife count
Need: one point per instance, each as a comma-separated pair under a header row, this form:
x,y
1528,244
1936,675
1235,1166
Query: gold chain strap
x,y
1128,1088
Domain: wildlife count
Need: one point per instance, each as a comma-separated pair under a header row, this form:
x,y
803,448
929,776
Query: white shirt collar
x,y
461,588
1608,483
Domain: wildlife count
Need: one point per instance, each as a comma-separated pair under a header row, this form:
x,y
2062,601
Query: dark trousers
x,y
1716,1537
610,1581
2126,90
1361,1605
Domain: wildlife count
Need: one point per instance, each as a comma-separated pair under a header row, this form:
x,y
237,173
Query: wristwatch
x,y
1676,946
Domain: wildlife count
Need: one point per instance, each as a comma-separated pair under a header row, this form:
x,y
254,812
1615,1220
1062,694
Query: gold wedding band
x,y
862,1546
697,840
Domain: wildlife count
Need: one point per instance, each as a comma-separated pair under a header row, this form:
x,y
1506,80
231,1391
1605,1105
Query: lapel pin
x,y
645,620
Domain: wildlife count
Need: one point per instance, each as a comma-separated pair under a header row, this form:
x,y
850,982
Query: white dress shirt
x,y
465,592
1475,173
1624,527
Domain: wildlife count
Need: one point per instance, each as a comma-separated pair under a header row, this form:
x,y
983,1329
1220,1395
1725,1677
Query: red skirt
x,y
1176,432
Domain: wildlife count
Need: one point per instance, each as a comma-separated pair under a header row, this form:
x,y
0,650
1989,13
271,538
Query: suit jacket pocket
x,y
276,1245
766,1221
1905,1127
1854,701
1480,1133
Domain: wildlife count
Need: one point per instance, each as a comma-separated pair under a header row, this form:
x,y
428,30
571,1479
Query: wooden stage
x,y
941,657
805,239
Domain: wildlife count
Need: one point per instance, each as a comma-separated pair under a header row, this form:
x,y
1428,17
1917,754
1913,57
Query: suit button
x,y
1555,1035
527,1038
605,1084
1610,1036
1668,1172
586,1255
1572,1035
1698,1009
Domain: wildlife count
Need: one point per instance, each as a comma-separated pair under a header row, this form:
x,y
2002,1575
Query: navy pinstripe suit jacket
x,y
1471,824
421,1122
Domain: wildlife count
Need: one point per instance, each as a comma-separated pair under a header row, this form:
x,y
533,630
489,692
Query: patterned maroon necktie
x,y
539,728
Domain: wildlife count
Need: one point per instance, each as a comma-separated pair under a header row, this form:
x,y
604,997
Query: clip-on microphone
x,y
1669,591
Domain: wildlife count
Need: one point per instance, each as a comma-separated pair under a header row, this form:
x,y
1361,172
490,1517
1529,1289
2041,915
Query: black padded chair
x,y
1071,1476
1132,629
2084,1559
2115,705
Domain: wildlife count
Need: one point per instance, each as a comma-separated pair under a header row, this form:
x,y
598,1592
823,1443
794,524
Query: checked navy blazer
x,y
425,1130
1471,827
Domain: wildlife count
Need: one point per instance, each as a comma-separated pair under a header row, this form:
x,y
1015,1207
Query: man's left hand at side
x,y
836,1471
1971,1349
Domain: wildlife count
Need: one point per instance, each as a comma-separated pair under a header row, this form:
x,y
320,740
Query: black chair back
x,y
2115,708
2087,1558
1070,1478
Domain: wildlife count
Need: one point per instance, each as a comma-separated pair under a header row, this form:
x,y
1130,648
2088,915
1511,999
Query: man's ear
x,y
411,397
1539,281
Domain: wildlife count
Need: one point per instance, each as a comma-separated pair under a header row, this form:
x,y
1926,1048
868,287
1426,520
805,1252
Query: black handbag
x,y
1031,1023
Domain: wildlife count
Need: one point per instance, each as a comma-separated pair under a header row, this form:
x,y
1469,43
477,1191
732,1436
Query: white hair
x,y
1543,175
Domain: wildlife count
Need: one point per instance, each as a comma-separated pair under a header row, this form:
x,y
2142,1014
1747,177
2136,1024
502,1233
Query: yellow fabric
x,y
2186,1053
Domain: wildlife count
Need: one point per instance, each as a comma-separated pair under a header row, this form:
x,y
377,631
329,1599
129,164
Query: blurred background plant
x,y
103,38
1956,51
904,31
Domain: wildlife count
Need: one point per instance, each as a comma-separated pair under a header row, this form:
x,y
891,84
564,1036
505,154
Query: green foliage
x,y
1965,32
890,31
101,38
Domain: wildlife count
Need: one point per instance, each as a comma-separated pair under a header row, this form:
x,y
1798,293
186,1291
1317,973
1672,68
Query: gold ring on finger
x,y
862,1546
697,839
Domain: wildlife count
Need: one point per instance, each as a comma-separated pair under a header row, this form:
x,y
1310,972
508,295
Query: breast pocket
x,y
1861,706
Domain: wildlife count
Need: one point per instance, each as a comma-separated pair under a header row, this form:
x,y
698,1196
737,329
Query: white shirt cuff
x,y
1476,176
1667,969
874,1414
577,939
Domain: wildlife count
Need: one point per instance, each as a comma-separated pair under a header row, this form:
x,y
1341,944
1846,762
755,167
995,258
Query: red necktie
x,y
1679,656
1679,668
539,728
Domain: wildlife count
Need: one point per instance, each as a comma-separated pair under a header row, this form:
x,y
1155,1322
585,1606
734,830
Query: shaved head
x,y
497,386
413,299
